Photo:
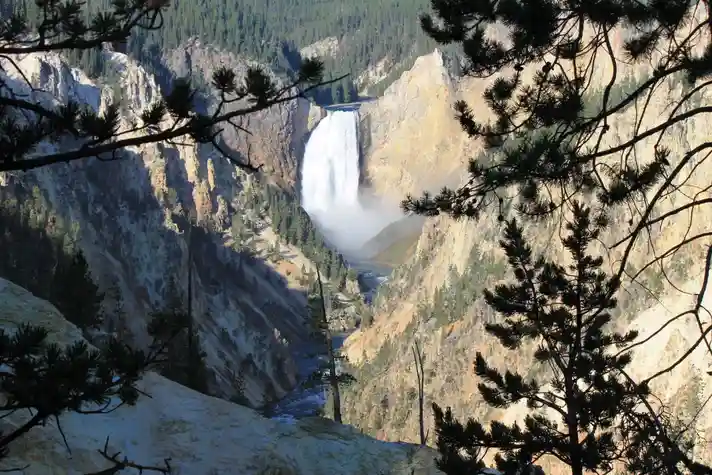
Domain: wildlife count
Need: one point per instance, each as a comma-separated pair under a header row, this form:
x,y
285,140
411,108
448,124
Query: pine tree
x,y
75,294
239,384
587,413
81,132
319,306
47,380
549,144
184,360
543,121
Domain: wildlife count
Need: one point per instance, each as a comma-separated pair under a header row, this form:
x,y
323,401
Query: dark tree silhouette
x,y
79,131
557,87
319,307
418,359
550,139
185,358
48,380
75,294
589,413
557,41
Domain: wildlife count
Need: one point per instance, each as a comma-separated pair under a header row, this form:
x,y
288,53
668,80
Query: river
x,y
308,401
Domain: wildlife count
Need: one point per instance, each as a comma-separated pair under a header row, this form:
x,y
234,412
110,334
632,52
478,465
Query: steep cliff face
x,y
130,215
277,136
412,140
452,256
197,433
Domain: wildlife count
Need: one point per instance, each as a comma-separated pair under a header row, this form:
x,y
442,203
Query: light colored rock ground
x,y
200,434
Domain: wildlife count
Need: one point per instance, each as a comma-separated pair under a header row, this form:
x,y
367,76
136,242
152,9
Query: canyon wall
x,y
417,144
131,219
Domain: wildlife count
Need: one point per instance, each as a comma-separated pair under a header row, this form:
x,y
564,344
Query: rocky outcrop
x,y
277,135
199,434
203,435
131,226
412,140
382,402
327,47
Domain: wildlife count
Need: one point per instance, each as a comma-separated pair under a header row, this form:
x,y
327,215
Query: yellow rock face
x,y
427,143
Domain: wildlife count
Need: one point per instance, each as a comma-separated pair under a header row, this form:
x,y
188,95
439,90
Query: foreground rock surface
x,y
200,434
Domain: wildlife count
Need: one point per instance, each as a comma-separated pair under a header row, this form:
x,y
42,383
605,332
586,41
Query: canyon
x,y
351,166
131,219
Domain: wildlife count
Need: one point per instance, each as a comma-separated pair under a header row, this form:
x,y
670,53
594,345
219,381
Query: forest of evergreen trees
x,y
41,255
295,227
273,31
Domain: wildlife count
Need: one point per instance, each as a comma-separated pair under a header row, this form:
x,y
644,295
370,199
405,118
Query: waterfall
x,y
330,173
330,184
330,194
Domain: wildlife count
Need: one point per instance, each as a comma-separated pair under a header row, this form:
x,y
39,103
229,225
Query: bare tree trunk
x,y
333,378
190,290
418,357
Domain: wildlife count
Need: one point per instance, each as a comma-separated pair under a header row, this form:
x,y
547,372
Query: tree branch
x,y
126,463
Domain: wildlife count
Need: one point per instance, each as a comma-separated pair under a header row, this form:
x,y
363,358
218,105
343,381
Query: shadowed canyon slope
x,y
435,297
130,216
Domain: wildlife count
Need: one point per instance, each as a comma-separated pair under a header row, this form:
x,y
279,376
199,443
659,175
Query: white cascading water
x,y
330,183
330,194
330,172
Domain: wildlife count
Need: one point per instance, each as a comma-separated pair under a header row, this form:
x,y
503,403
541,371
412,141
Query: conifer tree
x,y
184,360
556,93
589,414
81,132
74,292
47,380
559,85
44,379
319,306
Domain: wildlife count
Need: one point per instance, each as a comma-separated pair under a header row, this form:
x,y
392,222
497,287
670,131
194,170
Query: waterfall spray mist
x,y
330,184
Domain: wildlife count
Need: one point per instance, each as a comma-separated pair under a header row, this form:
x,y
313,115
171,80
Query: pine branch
x,y
40,44
156,136
6,440
126,463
